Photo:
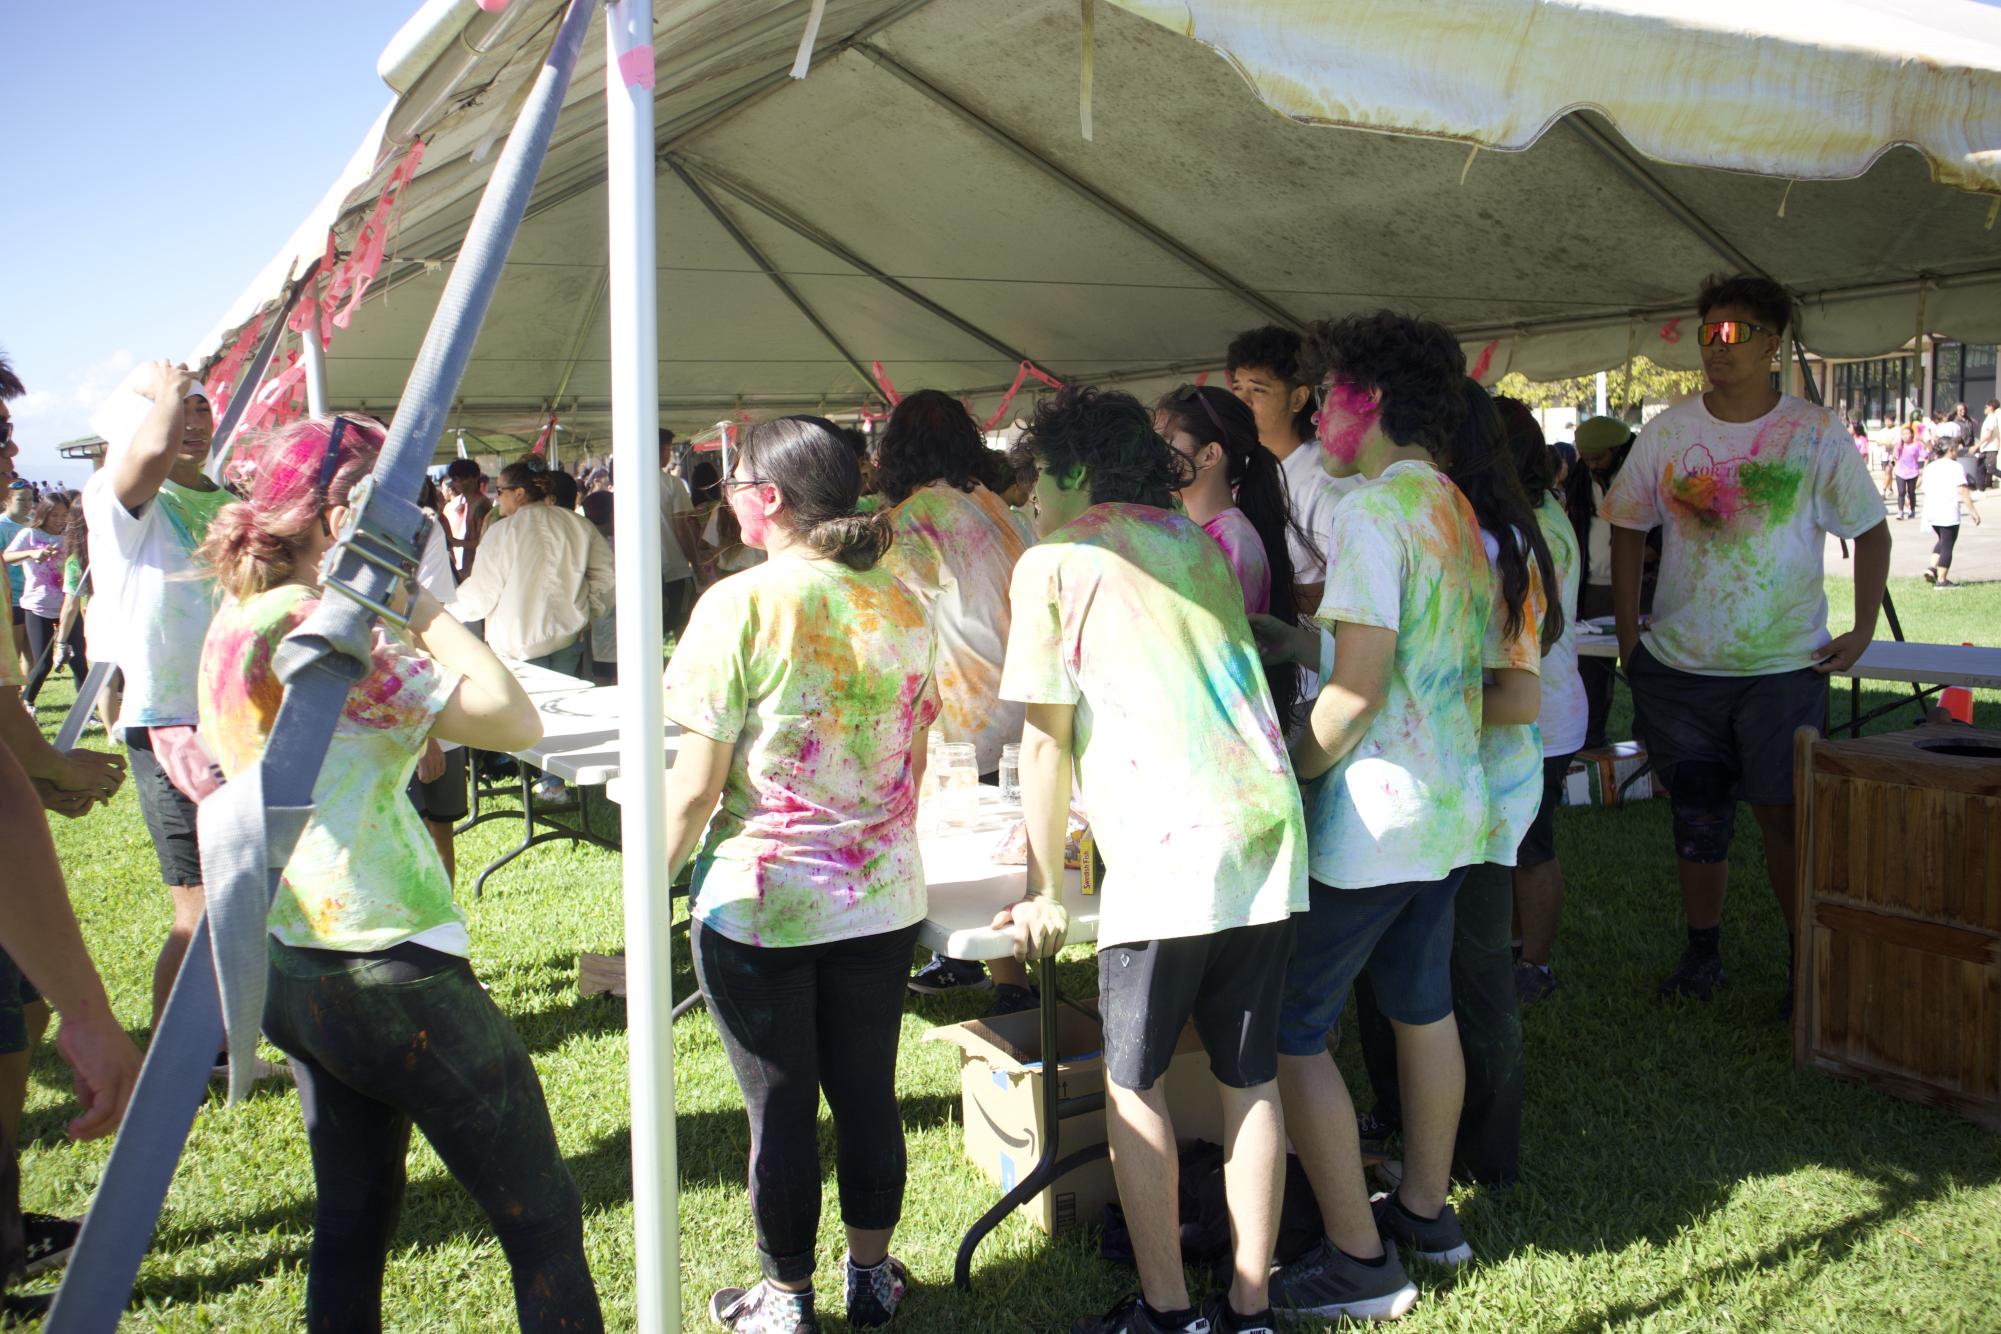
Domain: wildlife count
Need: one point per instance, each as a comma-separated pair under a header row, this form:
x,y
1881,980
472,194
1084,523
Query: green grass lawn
x,y
1679,1173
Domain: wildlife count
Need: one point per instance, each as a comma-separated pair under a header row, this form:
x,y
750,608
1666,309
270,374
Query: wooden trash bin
x,y
1899,897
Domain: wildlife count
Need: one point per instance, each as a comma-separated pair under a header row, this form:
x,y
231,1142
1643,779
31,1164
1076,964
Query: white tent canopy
x,y
926,198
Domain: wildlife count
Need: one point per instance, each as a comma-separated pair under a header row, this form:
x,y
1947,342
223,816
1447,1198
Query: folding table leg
x,y
1048,1167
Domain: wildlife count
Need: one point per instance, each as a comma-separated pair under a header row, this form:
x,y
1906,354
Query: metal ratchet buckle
x,y
376,547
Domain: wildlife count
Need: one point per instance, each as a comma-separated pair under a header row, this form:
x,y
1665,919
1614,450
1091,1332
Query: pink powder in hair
x,y
1344,421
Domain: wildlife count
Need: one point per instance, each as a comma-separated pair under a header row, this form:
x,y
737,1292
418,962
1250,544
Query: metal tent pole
x,y
635,423
259,812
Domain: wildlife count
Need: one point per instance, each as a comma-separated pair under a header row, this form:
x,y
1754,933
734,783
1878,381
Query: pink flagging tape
x,y
1027,369
1201,379
1671,331
636,67
1484,360
541,445
882,379
492,6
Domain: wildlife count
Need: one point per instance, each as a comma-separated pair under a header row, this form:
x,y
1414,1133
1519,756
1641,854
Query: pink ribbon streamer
x,y
278,401
221,384
1671,331
541,445
1027,369
1484,360
882,381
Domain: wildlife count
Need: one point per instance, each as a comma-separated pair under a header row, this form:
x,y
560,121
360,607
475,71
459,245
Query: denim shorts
x,y
1401,933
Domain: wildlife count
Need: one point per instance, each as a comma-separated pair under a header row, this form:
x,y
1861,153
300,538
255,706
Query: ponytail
x,y
1481,465
253,544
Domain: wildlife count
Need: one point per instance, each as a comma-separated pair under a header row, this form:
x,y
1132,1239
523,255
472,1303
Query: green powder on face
x,y
1771,486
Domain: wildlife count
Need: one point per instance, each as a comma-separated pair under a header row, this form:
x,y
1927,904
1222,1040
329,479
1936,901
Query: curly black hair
x,y
1769,303
1416,365
1110,436
10,383
1275,350
930,437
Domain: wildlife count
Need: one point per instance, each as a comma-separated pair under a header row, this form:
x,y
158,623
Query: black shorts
x,y
1538,845
15,614
16,994
170,816
1739,729
443,800
1229,983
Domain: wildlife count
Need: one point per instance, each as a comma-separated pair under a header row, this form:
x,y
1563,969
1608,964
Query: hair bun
x,y
857,541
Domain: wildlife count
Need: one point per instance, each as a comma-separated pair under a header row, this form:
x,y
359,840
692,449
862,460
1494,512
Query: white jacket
x,y
543,574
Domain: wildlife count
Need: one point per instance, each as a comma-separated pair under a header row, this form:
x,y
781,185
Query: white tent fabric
x,y
926,198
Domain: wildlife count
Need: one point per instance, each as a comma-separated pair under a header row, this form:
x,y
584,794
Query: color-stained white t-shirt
x,y
1131,614
1744,509
1409,802
956,551
152,603
1566,711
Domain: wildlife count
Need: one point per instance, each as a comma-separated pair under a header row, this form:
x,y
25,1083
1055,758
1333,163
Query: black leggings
x,y
41,654
1907,495
1942,549
796,1022
379,1041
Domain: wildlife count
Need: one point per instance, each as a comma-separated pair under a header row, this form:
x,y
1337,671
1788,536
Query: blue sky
x,y
156,158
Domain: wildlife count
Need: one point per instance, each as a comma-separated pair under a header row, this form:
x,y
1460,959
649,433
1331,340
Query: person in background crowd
x,y
1564,461
1603,443
1396,802
37,550
73,623
20,510
1986,445
598,507
1944,490
1909,462
1130,650
465,513
1237,493
148,509
955,548
1019,490
438,787
679,540
805,684
1562,719
1748,483
1262,366
369,989
1521,624
1860,433
545,575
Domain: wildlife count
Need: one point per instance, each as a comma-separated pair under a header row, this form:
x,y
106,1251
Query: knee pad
x,y
1705,814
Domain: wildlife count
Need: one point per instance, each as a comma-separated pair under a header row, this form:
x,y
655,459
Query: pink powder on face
x,y
1344,421
750,518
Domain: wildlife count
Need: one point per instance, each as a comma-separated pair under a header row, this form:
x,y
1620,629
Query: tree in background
x,y
1627,387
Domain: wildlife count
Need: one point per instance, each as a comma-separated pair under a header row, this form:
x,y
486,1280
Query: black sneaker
x,y
764,1309
1533,982
942,976
874,1294
1011,999
49,1241
1695,977
1434,1240
1130,1316
1223,1320
1377,1135
1330,1283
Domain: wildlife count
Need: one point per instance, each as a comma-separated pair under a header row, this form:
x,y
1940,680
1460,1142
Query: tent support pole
x,y
644,872
770,270
315,358
1235,286
791,222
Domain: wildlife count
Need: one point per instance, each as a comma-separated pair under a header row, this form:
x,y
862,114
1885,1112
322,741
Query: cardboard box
x,y
1000,1097
1596,776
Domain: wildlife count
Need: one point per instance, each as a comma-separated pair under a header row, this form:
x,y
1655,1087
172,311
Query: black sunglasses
x,y
1192,391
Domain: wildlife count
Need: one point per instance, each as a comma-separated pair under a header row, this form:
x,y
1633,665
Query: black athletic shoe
x,y
49,1241
1223,1320
1011,999
1434,1240
1697,975
764,1309
874,1294
1533,982
1377,1135
1329,1283
942,976
1130,1316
